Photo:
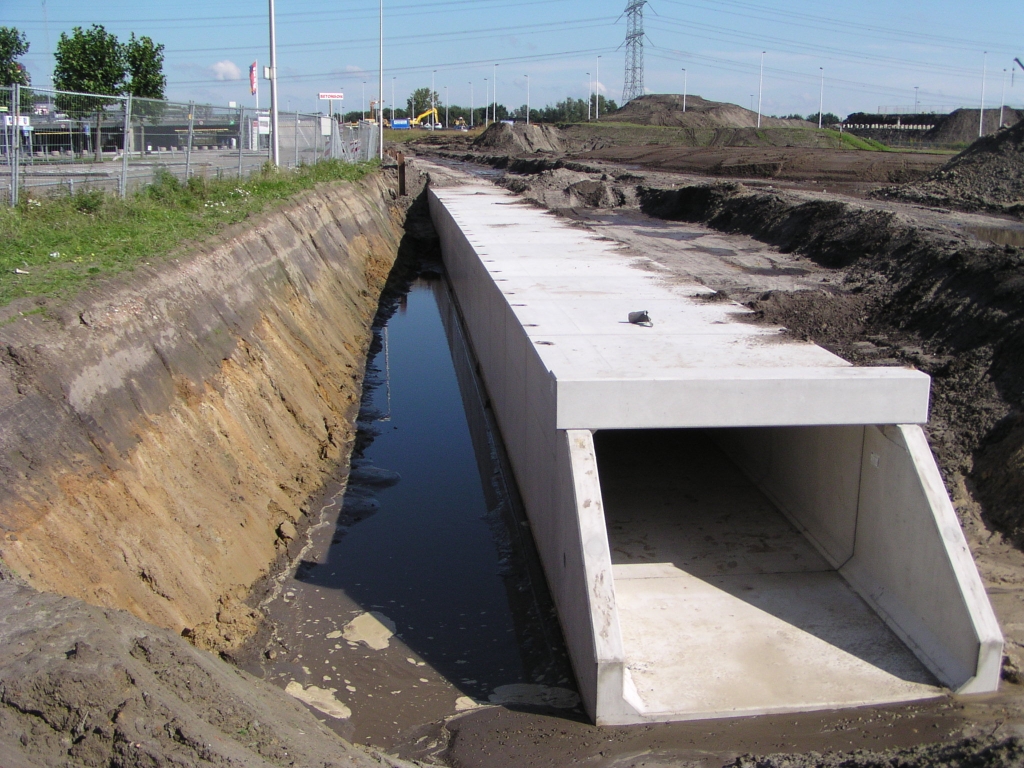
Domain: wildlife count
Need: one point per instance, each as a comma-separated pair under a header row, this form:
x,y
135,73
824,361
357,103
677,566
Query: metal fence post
x,y
241,129
126,144
16,144
188,147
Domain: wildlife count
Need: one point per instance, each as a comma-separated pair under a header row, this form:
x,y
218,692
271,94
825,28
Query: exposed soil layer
x,y
164,432
987,176
961,126
87,686
520,138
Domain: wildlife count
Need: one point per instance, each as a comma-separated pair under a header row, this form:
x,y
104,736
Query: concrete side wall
x,y
555,471
912,563
872,500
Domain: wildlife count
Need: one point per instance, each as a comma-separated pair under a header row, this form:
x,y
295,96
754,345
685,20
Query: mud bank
x,y
162,435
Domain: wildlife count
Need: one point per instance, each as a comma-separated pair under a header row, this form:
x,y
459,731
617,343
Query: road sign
x,y
332,96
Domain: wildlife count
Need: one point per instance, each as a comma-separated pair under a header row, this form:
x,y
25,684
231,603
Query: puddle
x,y
423,596
998,235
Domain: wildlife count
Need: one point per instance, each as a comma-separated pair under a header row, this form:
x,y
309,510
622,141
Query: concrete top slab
x,y
700,364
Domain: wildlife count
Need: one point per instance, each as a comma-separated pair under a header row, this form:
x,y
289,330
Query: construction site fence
x,y
57,142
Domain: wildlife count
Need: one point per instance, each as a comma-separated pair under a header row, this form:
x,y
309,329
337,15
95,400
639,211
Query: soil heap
x,y
987,176
961,126
667,109
519,138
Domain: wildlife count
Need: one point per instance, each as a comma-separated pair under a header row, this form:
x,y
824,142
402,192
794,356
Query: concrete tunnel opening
x,y
726,604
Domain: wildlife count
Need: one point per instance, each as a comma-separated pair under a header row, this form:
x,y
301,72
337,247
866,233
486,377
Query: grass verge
x,y
51,247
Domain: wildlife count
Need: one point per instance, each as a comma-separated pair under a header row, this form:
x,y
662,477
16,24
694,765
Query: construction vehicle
x,y
460,124
432,124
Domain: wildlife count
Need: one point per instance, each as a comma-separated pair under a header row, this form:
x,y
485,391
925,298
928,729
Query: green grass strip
x,y
53,246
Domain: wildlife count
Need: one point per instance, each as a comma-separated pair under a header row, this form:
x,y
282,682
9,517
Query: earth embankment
x,y
163,434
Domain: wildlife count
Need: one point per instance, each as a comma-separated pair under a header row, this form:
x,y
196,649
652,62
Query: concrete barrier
x,y
838,558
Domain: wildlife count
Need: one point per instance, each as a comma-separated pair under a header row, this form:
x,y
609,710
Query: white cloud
x,y
226,70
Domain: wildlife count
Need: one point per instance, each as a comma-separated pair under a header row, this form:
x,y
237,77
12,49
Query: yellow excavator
x,y
460,124
433,122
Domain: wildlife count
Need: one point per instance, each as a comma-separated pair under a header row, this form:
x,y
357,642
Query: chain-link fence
x,y
58,141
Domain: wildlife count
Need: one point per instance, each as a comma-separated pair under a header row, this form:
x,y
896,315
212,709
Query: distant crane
x,y
1019,63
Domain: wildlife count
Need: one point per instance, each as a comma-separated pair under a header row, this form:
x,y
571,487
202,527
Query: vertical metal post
x,y
275,149
126,144
821,98
597,87
188,146
380,106
16,143
241,128
296,163
760,85
984,71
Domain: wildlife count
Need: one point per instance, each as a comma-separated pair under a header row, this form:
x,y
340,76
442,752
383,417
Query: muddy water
x,y
1008,235
420,596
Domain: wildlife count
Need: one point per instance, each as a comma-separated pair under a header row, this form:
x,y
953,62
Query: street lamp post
x,y
487,100
364,101
597,88
380,89
981,120
393,101
821,97
527,98
916,87
590,96
1002,102
472,104
684,90
494,92
760,88
275,147
433,105
446,107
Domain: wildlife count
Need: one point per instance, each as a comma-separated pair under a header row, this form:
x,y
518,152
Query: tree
x,y
144,61
13,45
90,61
420,100
826,119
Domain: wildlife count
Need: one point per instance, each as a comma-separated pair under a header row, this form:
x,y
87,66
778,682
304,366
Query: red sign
x,y
252,78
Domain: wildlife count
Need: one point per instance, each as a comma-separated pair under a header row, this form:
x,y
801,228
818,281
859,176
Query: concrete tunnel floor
x,y
724,606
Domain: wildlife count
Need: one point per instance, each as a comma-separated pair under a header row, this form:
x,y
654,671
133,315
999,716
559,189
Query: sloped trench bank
x,y
162,437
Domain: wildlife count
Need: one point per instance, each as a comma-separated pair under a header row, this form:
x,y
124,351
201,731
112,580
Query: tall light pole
x,y
527,98
684,90
380,91
597,87
760,88
821,97
981,121
487,100
275,147
590,95
393,101
472,104
446,107
433,104
916,87
364,101
494,92
1002,102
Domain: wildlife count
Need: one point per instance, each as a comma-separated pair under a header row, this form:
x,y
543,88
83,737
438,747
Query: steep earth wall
x,y
159,436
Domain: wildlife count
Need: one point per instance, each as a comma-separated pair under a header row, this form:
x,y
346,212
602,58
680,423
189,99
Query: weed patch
x,y
54,246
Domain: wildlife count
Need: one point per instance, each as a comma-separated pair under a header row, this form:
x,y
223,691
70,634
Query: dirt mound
x,y
961,126
667,109
988,175
81,685
520,138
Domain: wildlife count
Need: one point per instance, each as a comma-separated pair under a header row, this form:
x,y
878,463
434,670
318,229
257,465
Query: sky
x,y
871,53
